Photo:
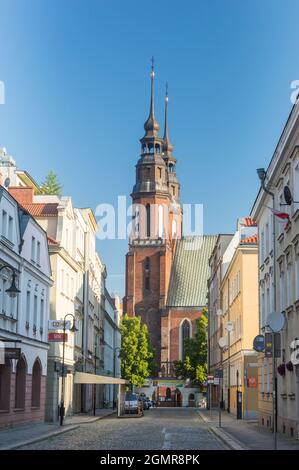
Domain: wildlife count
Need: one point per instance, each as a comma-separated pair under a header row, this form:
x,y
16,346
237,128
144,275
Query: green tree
x,y
194,364
136,356
51,184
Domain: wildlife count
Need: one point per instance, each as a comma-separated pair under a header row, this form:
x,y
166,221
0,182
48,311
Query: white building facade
x,y
279,278
24,319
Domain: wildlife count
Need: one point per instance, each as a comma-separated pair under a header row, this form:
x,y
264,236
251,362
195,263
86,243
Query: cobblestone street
x,y
169,429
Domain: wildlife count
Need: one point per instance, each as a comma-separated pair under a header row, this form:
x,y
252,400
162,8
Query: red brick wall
x,y
176,316
14,417
22,195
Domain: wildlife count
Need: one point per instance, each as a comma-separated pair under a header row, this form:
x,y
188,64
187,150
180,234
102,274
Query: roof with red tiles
x,y
42,209
250,240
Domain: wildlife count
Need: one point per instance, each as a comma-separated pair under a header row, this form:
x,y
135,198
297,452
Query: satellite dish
x,y
222,342
229,326
219,312
287,195
7,182
275,321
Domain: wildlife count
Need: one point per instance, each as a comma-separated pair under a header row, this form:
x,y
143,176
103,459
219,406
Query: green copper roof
x,y
190,272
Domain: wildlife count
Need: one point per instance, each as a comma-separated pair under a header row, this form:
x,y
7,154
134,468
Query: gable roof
x,y
190,271
42,209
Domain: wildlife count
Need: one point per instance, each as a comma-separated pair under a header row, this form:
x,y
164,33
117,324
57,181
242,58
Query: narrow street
x,y
163,428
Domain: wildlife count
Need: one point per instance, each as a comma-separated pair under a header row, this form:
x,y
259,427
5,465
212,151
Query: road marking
x,y
167,440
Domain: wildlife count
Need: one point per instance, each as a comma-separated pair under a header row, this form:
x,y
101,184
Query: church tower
x,y
157,221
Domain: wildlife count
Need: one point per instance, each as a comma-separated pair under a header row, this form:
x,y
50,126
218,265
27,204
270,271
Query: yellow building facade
x,y
240,324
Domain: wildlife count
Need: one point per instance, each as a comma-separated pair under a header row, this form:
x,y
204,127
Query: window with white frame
x,y
262,247
33,245
289,284
28,298
42,312
10,229
35,311
38,253
282,289
4,223
263,309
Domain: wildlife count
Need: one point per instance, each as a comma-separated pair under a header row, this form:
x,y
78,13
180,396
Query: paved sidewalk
x,y
15,437
242,434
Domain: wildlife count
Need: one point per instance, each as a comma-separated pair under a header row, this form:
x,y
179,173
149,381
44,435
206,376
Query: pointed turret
x,y
167,145
151,126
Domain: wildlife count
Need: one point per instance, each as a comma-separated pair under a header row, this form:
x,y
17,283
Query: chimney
x,y
22,195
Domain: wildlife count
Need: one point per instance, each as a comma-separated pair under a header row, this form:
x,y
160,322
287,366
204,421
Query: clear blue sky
x,y
77,95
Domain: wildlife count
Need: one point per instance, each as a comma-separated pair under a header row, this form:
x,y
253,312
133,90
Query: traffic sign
x,y
259,343
216,381
58,325
210,379
57,337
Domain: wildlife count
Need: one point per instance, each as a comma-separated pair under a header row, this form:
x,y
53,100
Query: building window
x,y
5,378
161,221
20,383
42,307
4,223
160,172
185,335
148,220
35,311
33,249
38,253
147,274
36,384
174,228
10,228
28,307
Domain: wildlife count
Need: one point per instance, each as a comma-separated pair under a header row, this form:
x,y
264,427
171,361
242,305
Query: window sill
x,y
19,410
34,408
4,411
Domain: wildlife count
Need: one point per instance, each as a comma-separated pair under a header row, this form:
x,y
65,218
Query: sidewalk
x,y
15,437
244,435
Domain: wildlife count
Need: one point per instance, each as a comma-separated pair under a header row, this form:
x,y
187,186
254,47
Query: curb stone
x,y
232,443
57,432
39,438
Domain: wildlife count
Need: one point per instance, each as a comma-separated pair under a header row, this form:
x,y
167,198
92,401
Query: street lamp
x,y
114,368
262,176
73,329
12,291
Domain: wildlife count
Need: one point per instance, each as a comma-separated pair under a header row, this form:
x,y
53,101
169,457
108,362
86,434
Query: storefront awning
x,y
84,378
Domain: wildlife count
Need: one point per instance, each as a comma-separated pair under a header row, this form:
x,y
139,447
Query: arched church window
x,y
174,228
157,148
185,335
160,221
148,220
171,168
147,267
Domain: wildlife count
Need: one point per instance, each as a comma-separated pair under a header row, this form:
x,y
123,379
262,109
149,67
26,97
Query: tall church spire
x,y
151,126
167,146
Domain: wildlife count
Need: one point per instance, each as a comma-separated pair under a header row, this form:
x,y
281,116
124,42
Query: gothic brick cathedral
x,y
162,268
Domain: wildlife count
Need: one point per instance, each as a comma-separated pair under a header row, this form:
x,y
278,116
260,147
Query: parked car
x,y
132,404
